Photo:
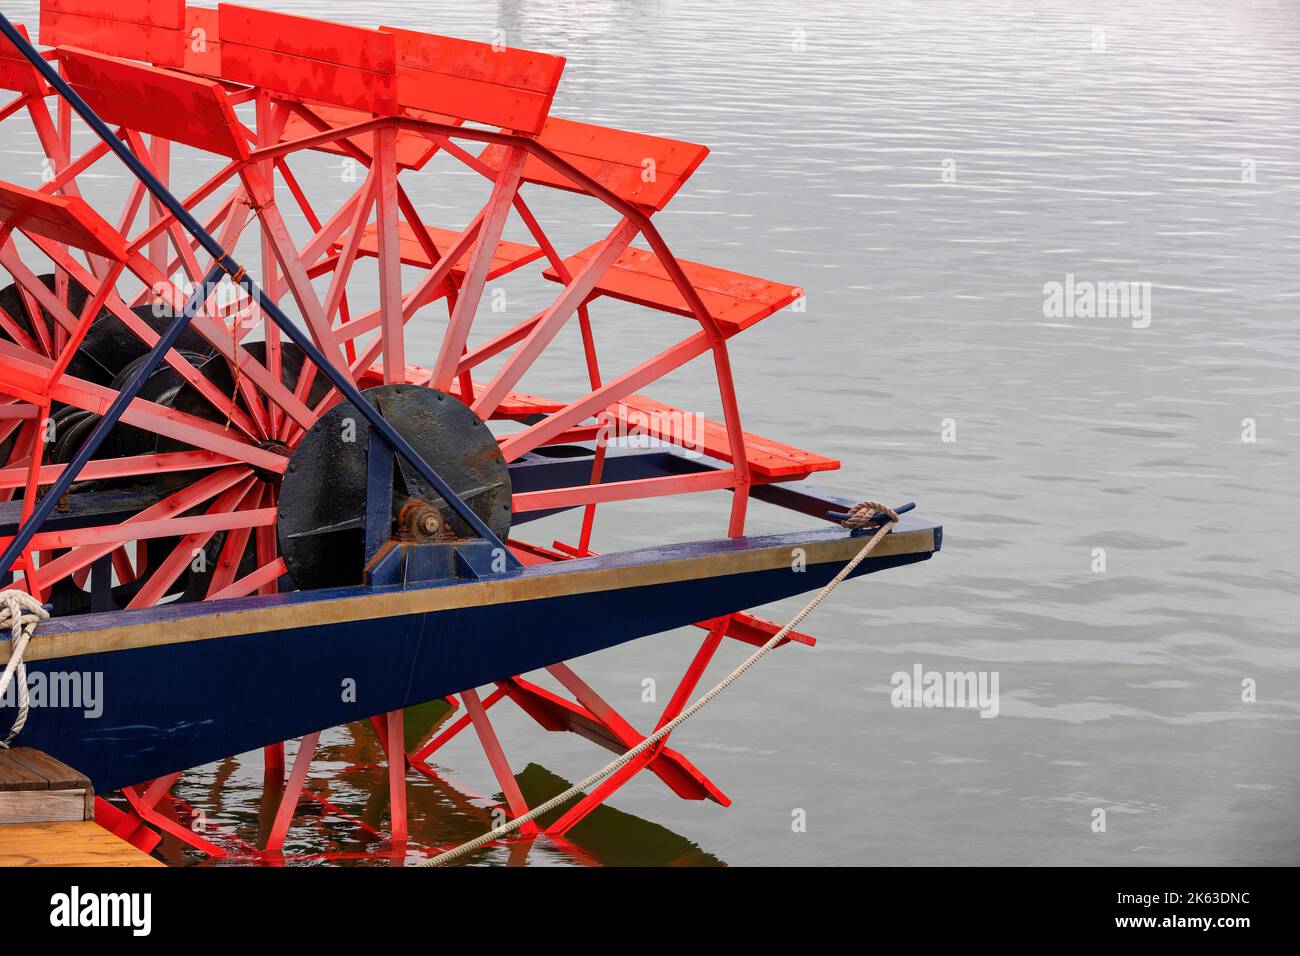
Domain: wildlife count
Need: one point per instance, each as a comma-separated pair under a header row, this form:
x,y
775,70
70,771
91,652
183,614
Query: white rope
x,y
859,516
20,612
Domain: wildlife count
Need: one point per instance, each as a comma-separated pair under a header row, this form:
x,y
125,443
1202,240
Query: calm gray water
x,y
923,169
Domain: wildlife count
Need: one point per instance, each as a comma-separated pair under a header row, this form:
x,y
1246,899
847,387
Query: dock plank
x,y
16,775
43,806
56,773
83,843
38,788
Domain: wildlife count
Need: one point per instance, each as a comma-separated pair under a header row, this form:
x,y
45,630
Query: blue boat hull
x,y
182,687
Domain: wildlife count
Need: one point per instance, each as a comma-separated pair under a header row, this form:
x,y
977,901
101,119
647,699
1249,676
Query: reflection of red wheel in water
x,y
239,468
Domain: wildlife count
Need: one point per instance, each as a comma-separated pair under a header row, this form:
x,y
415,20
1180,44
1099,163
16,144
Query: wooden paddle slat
x,y
183,109
735,300
163,14
768,460
642,169
149,30
202,42
507,256
414,149
66,219
15,72
476,81
307,59
514,405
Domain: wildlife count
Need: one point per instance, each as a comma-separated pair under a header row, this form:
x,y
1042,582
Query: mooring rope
x,y
860,515
20,612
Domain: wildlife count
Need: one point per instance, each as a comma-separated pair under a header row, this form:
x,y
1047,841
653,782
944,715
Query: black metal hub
x,y
324,504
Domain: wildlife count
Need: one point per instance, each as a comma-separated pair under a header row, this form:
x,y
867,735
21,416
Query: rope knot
x,y
237,274
867,512
20,612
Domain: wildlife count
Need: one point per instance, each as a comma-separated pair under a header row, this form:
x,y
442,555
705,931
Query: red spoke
x,y
541,334
135,530
161,580
25,376
123,567
598,400
132,466
234,547
261,578
138,327
623,490
295,273
176,503
471,290
16,331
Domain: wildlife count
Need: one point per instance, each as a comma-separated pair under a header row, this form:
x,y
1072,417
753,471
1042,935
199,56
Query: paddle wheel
x,y
178,440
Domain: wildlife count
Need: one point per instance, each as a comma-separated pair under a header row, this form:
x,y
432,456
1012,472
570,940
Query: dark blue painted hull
x,y
174,705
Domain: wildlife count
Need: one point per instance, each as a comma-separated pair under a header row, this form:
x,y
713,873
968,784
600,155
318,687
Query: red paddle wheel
x,y
189,498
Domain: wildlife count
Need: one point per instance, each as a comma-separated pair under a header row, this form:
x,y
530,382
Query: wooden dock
x,y
47,817
83,843
36,788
